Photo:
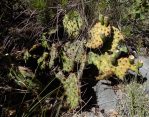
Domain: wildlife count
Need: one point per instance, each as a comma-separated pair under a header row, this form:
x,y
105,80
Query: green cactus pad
x,y
101,19
103,63
42,60
71,88
106,67
118,38
73,23
106,21
72,52
53,55
124,64
68,63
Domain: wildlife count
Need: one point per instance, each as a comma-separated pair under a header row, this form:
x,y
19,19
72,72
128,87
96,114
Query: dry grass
x,y
135,102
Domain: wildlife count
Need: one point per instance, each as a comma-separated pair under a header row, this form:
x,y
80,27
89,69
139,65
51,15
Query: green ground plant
x,y
135,101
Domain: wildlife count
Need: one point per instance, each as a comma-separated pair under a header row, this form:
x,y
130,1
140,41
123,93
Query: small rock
x,y
113,113
145,68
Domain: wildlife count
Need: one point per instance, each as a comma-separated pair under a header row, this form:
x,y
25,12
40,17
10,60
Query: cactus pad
x,y
124,64
106,68
73,23
103,63
98,35
53,55
72,52
71,88
118,38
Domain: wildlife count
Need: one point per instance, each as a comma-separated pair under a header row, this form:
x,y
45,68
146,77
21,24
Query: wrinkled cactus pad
x,y
118,38
71,87
103,63
106,67
98,35
72,52
73,23
124,64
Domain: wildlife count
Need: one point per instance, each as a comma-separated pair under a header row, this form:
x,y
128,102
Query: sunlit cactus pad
x,y
103,63
98,35
124,64
73,23
106,67
118,38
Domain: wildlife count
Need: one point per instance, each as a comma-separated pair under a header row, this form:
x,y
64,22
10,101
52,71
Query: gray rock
x,y
145,71
145,68
107,99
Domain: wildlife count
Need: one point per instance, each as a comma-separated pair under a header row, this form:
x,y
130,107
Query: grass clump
x,y
135,102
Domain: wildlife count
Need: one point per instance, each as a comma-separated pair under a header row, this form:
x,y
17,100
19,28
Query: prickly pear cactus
x,y
71,88
53,55
118,39
98,35
73,23
72,52
125,64
103,63
42,60
112,63
106,67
